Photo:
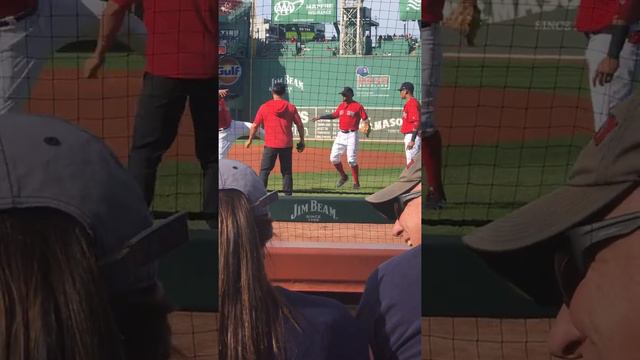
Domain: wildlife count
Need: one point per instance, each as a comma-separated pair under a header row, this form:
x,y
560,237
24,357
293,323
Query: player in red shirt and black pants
x,y
431,75
180,59
349,112
278,115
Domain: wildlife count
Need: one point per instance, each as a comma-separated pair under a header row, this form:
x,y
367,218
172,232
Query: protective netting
x,y
43,73
515,109
485,339
317,48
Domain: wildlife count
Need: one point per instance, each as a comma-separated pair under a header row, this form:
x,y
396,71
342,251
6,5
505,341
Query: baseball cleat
x,y
356,186
341,181
435,200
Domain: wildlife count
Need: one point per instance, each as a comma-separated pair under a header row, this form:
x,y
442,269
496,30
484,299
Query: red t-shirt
x,y
278,116
15,7
596,15
224,116
432,10
350,115
180,37
410,116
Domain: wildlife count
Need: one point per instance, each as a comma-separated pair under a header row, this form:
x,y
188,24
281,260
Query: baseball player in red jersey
x,y
278,116
613,52
410,121
349,112
431,74
224,123
228,129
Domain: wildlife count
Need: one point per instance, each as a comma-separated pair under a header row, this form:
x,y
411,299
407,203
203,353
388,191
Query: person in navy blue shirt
x,y
390,305
258,320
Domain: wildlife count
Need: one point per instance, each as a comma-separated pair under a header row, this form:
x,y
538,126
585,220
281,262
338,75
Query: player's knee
x,y
353,163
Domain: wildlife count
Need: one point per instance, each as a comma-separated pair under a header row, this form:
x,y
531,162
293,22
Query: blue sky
x,y
384,12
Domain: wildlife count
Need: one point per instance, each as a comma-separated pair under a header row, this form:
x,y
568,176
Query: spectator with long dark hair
x,y
257,320
78,250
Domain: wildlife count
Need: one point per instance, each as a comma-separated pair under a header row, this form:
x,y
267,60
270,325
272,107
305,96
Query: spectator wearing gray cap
x,y
258,320
390,305
78,249
578,247
278,116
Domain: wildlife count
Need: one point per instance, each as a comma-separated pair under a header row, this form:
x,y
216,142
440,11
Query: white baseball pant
x,y
345,142
605,98
227,137
26,46
431,75
409,154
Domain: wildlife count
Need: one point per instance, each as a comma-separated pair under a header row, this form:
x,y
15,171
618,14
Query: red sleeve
x,y
336,113
414,116
124,3
628,11
296,116
363,114
259,115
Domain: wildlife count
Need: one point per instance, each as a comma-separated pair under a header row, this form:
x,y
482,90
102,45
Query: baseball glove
x,y
365,129
465,19
300,147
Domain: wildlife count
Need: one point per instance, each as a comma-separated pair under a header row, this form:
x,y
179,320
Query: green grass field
x,y
566,77
482,182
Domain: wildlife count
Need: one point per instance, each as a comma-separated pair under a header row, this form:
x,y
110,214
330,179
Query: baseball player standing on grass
x,y
613,52
228,129
224,123
31,30
431,73
410,121
278,115
349,112
179,66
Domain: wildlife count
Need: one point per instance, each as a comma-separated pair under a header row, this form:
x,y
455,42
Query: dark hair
x,y
251,312
53,302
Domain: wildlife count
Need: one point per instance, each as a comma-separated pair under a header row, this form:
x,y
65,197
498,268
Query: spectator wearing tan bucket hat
x,y
578,247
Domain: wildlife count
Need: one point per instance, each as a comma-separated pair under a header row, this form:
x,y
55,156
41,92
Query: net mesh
x,y
194,335
316,63
485,339
514,110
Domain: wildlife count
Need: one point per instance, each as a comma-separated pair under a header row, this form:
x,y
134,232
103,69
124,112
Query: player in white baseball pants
x,y
349,113
27,44
345,142
228,136
432,59
605,97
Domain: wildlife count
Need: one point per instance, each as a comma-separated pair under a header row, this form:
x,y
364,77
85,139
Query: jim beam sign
x,y
313,211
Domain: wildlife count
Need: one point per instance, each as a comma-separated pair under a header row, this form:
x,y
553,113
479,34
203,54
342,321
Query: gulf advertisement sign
x,y
229,71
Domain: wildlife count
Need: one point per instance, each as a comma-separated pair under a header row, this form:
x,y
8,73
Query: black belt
x,y
424,24
222,129
12,20
347,131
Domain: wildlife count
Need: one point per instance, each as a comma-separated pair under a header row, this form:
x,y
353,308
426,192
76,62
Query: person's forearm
x,y
110,24
301,132
326,117
253,131
619,33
